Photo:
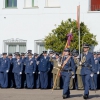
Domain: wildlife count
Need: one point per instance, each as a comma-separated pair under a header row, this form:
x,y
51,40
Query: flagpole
x,y
78,24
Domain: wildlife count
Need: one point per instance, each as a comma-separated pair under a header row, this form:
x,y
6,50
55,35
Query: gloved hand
x,y
7,71
20,73
98,72
91,74
73,76
33,72
38,72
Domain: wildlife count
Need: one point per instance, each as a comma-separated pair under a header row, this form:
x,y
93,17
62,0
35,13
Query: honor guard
x,y
56,67
10,74
87,70
4,69
68,71
17,70
30,70
44,68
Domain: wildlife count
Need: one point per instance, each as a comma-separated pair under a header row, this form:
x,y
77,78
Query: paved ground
x,y
36,94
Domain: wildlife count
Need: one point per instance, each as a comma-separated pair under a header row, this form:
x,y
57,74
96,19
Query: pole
x,y
79,41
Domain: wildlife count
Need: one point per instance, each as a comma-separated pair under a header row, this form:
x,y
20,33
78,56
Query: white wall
x,y
36,23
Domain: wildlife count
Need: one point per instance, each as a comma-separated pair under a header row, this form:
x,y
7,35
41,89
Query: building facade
x,y
25,23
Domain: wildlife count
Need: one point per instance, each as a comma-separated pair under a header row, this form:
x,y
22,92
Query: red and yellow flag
x,y
69,38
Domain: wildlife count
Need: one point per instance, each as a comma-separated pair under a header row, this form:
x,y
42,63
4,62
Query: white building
x,y
25,23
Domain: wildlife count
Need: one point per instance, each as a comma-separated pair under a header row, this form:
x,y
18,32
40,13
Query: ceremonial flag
x,y
69,38
78,17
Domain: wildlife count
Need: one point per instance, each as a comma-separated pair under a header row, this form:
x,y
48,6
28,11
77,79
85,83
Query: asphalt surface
x,y
37,94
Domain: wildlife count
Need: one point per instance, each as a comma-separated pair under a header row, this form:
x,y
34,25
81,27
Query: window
x,y
31,3
95,5
11,48
11,45
52,3
39,46
10,3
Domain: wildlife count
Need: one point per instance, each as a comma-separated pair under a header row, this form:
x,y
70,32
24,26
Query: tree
x,y
56,40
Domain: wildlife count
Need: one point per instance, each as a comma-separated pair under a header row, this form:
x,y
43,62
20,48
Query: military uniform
x,y
68,71
37,74
30,70
87,69
78,74
93,80
10,74
17,70
4,69
23,72
44,68
55,70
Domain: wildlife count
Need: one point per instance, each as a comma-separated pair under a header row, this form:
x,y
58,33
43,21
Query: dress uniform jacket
x,y
17,66
89,64
44,64
4,64
4,68
30,65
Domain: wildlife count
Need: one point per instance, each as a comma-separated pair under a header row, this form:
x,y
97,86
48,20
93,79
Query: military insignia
x,y
18,63
96,61
31,62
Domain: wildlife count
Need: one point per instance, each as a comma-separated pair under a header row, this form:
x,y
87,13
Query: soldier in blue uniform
x,y
23,72
44,68
37,74
10,74
68,71
87,70
30,70
17,70
98,76
4,69
96,72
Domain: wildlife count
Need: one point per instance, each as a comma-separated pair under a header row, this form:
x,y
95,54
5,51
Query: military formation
x,y
65,71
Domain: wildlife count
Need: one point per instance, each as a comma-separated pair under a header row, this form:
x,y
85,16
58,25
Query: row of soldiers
x,y
40,71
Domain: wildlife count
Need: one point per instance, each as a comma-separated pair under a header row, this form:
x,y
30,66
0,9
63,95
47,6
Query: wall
x,y
36,23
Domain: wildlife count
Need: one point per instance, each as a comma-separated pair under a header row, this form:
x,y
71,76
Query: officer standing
x,y
87,70
30,70
96,72
10,74
23,72
44,68
56,67
37,74
17,70
68,71
4,69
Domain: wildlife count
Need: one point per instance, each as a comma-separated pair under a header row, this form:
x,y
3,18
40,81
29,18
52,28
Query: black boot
x,y
85,96
64,96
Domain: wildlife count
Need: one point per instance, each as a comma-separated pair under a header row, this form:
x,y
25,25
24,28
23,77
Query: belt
x,y
67,70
